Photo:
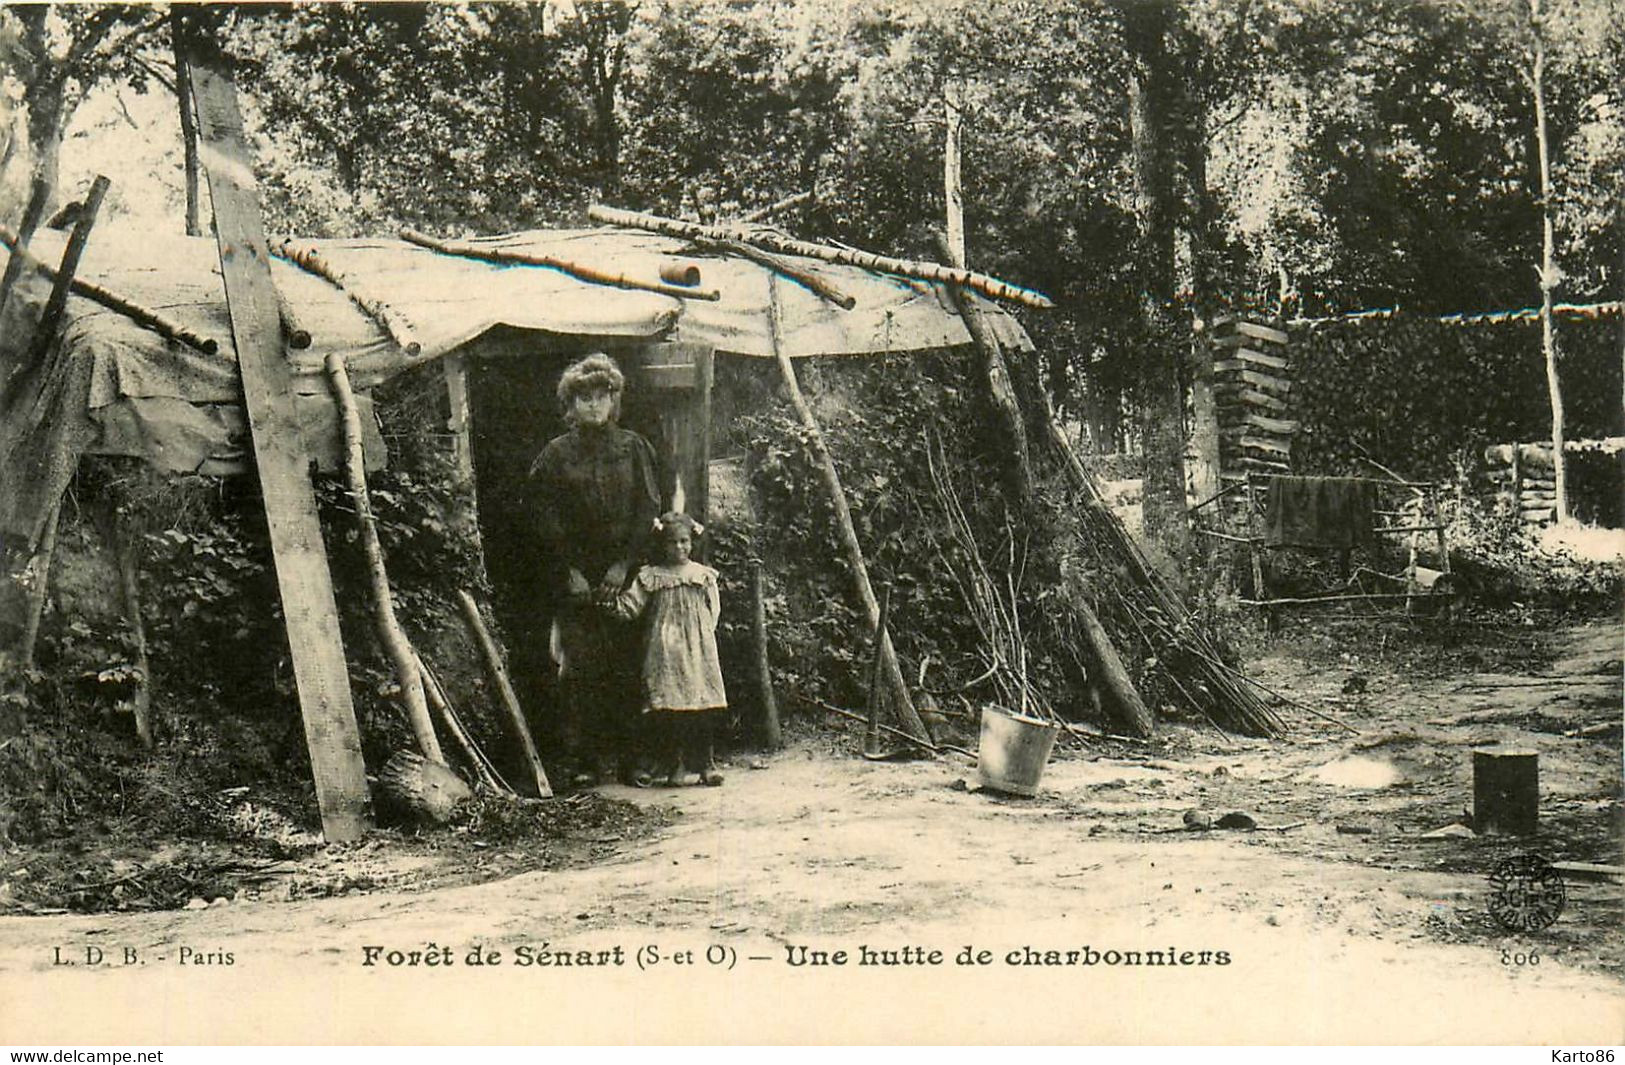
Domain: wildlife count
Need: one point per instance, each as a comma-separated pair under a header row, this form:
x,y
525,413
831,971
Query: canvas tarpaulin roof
x,y
114,387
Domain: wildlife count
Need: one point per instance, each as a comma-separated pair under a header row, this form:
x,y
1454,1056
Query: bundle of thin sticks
x,y
1143,605
991,598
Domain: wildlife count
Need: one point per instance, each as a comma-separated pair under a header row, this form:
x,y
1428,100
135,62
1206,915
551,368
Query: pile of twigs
x,y
1141,604
992,599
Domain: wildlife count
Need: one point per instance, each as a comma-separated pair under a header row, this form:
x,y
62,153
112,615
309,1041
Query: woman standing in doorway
x,y
596,499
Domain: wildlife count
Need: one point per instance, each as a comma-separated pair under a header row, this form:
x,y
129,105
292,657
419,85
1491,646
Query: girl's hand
x,y
578,588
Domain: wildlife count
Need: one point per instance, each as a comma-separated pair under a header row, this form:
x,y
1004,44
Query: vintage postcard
x,y
801,522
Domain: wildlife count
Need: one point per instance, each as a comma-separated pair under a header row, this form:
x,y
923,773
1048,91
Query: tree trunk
x,y
1548,265
1146,25
183,94
1001,389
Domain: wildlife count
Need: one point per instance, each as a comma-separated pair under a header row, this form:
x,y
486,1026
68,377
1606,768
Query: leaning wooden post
x,y
871,739
25,233
51,317
772,734
41,586
510,701
1132,712
396,645
306,585
125,556
843,523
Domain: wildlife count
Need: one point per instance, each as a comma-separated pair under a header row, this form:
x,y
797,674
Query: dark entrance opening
x,y
514,413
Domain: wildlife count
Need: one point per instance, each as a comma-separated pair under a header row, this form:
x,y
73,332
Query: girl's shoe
x,y
681,778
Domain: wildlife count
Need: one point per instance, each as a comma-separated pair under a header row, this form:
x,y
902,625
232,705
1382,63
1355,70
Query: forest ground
x,y
1341,919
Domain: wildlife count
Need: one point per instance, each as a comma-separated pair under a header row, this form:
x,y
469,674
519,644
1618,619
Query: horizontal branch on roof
x,y
307,258
779,265
771,241
575,270
149,319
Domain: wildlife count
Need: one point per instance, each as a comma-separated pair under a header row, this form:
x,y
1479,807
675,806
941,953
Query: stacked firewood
x,y
1524,479
1252,387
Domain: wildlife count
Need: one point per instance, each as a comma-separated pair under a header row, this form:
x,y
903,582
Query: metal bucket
x,y
1013,750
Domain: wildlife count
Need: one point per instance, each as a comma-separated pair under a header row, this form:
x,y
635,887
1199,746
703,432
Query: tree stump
x,y
1506,791
421,791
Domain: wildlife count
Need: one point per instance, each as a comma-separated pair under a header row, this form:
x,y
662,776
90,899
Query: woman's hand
x,y
578,588
614,580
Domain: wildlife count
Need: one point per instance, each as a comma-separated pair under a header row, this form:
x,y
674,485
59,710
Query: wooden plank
x,y
460,419
1240,430
1261,332
1279,426
303,578
1588,871
668,378
674,353
1259,358
1262,399
1266,382
1271,447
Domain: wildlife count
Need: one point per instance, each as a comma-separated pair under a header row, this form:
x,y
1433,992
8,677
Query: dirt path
x,y
1328,936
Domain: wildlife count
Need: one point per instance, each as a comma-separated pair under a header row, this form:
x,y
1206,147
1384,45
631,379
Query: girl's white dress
x,y
680,666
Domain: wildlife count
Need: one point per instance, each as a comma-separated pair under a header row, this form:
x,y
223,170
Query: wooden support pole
x,y
32,214
847,532
183,96
700,427
125,557
481,766
510,701
90,290
306,585
953,195
1001,391
461,418
51,317
988,286
772,734
871,739
1132,713
390,634
38,591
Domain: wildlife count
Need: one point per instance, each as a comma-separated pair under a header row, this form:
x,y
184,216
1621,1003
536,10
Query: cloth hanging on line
x,y
1335,512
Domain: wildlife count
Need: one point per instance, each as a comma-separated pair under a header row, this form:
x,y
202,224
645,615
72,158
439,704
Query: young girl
x,y
682,679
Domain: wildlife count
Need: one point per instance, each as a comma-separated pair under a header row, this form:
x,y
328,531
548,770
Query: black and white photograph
x,y
812,522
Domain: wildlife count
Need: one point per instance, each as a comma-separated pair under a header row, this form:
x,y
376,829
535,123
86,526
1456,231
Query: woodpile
x,y
1525,480
1252,388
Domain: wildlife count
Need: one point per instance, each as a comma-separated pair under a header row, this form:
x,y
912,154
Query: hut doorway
x,y
514,413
